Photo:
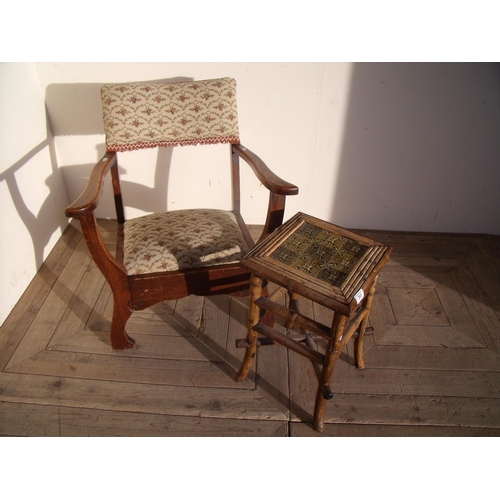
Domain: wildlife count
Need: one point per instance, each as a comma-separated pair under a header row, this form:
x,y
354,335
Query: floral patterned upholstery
x,y
147,115
182,239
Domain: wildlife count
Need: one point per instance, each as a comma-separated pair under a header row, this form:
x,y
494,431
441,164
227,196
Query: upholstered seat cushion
x,y
182,239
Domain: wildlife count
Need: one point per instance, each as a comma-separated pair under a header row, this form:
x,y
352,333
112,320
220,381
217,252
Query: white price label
x,y
359,296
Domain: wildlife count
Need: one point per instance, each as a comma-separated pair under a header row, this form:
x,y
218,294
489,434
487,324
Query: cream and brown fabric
x,y
147,115
182,239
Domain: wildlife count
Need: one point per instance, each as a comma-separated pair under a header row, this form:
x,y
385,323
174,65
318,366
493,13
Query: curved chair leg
x,y
253,319
119,338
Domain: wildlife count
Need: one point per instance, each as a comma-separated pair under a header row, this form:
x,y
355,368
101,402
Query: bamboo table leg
x,y
253,319
333,351
360,362
341,331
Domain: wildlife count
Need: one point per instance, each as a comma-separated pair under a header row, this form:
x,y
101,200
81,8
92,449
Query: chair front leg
x,y
116,276
121,313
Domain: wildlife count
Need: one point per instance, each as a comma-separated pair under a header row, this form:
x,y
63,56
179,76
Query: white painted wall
x,y
32,192
420,149
383,146
268,122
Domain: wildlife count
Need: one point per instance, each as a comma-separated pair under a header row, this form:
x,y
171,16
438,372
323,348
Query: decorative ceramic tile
x,y
320,253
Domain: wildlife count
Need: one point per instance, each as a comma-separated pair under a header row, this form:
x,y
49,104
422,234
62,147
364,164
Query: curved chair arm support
x,y
83,209
109,266
89,199
268,178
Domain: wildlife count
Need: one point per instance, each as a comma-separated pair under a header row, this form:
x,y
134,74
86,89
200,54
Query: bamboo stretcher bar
x,y
301,349
299,319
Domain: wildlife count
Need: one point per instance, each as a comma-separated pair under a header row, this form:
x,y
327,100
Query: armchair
x,y
177,253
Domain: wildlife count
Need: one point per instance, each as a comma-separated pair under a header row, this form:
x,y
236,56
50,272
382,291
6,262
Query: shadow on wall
x,y
76,110
136,195
36,224
421,148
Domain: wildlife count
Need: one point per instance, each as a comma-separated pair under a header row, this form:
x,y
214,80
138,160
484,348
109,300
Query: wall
x,y
382,146
276,121
421,149
32,192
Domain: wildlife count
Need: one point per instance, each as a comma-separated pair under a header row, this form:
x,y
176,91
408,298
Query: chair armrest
x,y
270,180
89,199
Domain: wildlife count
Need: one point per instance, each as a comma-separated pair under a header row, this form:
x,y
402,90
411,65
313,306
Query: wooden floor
x,y
433,366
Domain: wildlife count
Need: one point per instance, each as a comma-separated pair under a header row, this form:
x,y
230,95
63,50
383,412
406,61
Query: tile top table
x,y
327,264
323,261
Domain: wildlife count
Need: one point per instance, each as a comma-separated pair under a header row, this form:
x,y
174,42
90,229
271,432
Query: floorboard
x,y
432,367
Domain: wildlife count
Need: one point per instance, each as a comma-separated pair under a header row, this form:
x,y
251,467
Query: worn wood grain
x,y
100,317
432,367
399,357
188,312
148,346
215,323
479,305
416,335
27,309
374,430
456,309
417,306
75,422
413,410
20,419
483,271
407,279
141,398
466,384
490,249
272,369
421,264
237,330
181,372
55,305
304,385
381,315
445,249
81,305
421,238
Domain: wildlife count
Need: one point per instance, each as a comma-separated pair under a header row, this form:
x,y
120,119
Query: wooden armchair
x,y
177,253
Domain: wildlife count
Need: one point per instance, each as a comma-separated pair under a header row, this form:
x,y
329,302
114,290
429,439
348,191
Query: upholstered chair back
x,y
138,115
